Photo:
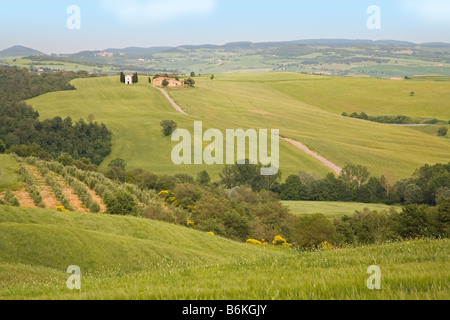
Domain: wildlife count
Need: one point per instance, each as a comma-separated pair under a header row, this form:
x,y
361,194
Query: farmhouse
x,y
129,79
172,82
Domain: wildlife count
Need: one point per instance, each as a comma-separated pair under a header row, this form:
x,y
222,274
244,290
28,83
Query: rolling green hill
x,y
132,258
305,108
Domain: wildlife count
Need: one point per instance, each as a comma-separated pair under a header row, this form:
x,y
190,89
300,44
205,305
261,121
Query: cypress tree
x,y
122,77
135,78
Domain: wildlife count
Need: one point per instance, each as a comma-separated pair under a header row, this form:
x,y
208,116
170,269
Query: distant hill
x,y
19,51
138,50
360,57
143,52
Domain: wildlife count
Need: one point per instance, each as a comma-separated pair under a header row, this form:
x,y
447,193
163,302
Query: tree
x,y
190,82
442,132
413,194
242,175
150,79
119,163
212,77
135,78
203,178
2,147
354,176
122,77
363,116
169,126
165,83
192,74
293,189
412,94
65,159
414,222
184,178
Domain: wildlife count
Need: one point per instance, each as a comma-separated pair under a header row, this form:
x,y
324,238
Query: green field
x,y
131,258
9,173
58,65
305,108
332,209
390,70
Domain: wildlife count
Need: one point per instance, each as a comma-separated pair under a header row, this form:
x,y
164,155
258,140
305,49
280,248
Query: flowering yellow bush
x,y
190,224
257,242
211,233
163,194
62,209
280,241
326,246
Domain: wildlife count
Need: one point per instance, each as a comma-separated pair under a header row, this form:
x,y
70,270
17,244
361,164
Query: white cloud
x,y
140,11
430,11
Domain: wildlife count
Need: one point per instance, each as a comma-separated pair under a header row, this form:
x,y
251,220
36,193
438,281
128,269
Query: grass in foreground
x,y
129,258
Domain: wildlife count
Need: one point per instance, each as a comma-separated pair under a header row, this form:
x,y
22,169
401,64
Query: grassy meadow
x,y
303,107
10,177
57,65
331,209
131,258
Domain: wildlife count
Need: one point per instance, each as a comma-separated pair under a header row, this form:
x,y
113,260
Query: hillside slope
x,y
259,101
131,258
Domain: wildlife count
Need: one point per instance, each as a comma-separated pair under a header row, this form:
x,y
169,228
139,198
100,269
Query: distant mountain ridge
x,y
19,51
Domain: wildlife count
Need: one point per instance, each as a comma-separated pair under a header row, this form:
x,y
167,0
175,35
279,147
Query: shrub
x,y
257,242
11,198
212,225
442,132
372,226
236,226
94,207
191,224
156,211
62,209
121,203
280,241
169,126
310,231
326,246
190,82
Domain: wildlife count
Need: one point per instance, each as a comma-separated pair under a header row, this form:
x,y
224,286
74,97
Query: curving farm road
x,y
330,165
177,107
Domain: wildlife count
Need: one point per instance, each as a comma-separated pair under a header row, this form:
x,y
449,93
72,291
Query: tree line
x,y
243,204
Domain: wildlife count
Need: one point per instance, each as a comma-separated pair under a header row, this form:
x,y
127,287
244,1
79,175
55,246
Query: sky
x,y
49,26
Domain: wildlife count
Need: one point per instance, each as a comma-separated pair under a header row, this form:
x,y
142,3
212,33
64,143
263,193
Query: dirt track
x,y
177,107
336,169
